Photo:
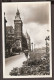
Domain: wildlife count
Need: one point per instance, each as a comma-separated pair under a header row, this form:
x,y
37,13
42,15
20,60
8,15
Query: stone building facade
x,y
28,41
15,39
18,30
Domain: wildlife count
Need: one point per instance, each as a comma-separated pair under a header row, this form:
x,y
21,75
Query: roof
x,y
9,27
27,35
17,17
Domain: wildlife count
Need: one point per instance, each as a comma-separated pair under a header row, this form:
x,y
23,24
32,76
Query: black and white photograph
x,y
26,39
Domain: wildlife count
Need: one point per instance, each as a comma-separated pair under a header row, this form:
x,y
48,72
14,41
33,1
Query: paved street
x,y
14,61
17,61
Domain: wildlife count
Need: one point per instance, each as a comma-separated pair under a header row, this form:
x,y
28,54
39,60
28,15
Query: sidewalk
x,y
14,61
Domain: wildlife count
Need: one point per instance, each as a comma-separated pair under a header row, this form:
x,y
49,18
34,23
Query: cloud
x,y
29,12
35,17
37,32
38,14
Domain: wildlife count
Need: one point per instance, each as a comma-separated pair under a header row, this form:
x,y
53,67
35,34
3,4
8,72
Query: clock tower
x,y
18,30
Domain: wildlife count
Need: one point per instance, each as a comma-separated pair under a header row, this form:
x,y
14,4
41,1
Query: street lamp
x,y
47,38
32,46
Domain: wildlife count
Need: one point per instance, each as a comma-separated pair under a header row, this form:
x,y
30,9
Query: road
x,y
14,61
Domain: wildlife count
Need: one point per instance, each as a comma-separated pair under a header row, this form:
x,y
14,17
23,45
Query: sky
x,y
35,17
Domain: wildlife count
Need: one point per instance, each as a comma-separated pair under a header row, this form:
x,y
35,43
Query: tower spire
x,y
17,14
17,7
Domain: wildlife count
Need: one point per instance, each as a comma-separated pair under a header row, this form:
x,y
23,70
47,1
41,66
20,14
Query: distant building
x,y
9,29
9,39
16,41
24,42
28,40
9,34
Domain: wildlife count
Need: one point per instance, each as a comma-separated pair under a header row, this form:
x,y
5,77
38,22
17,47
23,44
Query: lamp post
x,y
47,38
32,46
47,45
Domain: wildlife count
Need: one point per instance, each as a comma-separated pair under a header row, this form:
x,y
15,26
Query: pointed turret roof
x,y
17,13
27,35
17,17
